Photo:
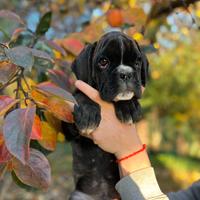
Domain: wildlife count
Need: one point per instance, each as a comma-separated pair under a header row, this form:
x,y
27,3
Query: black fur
x,y
95,171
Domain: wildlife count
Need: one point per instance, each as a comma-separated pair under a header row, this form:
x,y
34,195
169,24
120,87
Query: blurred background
x,y
169,32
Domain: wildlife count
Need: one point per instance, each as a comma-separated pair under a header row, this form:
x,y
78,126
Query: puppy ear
x,y
144,70
82,65
145,67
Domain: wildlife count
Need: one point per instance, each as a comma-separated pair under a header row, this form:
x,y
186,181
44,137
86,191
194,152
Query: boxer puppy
x,y
117,68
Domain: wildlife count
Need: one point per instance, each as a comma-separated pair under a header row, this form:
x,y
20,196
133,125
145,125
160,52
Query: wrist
x,y
128,149
143,148
137,162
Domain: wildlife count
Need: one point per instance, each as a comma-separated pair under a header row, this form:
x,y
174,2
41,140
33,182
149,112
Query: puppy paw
x,y
128,111
87,117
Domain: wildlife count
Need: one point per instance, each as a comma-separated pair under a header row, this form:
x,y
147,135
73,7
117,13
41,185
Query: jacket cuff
x,y
141,184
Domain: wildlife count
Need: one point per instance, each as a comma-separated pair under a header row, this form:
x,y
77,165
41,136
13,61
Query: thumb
x,y
89,91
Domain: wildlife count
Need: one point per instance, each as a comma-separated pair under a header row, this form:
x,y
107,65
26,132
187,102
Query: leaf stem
x,y
17,96
8,83
27,85
26,95
3,45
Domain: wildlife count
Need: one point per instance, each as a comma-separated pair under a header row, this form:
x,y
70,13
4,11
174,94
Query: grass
x,y
177,162
61,159
175,170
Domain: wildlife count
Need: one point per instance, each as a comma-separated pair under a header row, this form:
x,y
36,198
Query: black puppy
x,y
117,68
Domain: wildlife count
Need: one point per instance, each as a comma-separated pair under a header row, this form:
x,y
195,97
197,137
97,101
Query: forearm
x,y
138,179
135,163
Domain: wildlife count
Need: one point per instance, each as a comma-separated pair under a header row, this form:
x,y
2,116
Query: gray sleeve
x,y
192,193
140,185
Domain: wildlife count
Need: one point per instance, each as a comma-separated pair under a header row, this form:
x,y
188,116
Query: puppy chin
x,y
123,96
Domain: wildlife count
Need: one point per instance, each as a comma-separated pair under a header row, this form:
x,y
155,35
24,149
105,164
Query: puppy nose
x,y
125,76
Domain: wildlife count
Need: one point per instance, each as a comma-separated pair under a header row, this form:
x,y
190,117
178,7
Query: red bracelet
x,y
133,154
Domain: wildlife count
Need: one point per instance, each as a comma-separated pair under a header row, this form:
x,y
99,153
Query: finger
x,y
143,88
93,138
92,93
87,135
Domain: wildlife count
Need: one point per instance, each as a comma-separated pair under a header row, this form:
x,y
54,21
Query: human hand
x,y
112,135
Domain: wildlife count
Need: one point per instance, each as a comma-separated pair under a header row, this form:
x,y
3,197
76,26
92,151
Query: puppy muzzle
x,y
125,82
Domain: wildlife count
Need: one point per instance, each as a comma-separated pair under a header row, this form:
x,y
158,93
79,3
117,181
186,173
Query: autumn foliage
x,y
32,111
36,84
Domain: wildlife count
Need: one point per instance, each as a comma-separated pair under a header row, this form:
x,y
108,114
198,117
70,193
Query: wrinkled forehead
x,y
118,47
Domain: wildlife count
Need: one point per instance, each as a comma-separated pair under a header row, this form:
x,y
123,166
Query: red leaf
x,y
54,99
55,46
36,172
6,103
72,45
5,156
56,91
7,72
17,131
3,169
60,78
36,133
17,32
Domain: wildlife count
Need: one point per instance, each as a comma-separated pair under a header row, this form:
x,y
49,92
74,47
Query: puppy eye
x,y
103,63
137,64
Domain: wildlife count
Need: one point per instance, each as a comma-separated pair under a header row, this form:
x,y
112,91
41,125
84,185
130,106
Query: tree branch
x,y
166,7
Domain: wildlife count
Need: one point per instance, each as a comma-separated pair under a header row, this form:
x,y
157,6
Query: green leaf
x,y
148,49
36,172
36,145
17,132
11,16
41,54
20,56
42,62
44,24
22,37
41,65
3,57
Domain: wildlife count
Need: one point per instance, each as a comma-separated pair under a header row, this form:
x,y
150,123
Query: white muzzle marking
x,y
124,96
127,95
124,69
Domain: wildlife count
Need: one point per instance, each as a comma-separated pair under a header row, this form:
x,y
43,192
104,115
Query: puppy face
x,y
115,66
